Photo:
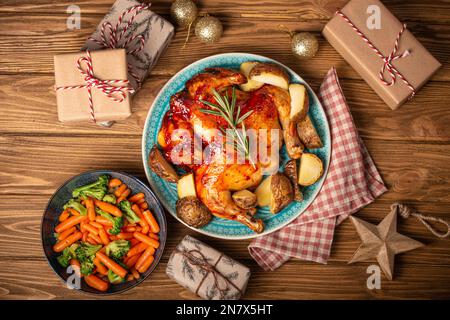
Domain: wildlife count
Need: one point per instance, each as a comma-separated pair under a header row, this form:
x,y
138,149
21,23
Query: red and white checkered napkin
x,y
352,182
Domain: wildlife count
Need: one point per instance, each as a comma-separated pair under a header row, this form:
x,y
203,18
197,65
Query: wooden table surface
x,y
410,146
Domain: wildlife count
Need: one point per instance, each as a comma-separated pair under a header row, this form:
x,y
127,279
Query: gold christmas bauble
x,y
208,29
183,12
304,45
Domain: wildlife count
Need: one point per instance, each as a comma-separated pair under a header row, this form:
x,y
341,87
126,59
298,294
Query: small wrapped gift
x,y
207,272
380,48
142,33
92,86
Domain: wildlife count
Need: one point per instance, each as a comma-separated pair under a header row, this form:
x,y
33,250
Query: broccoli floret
x,y
87,266
114,278
67,254
116,221
110,198
125,207
76,206
85,254
118,249
95,190
86,250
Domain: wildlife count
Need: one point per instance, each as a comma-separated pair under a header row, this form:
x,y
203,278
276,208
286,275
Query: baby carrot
x,y
114,182
134,242
123,196
61,245
72,221
129,229
137,249
103,236
135,274
63,216
153,235
85,235
76,266
142,221
142,237
95,238
130,277
143,263
136,197
103,221
96,283
109,263
100,267
132,261
73,212
108,207
96,224
125,235
140,201
143,205
63,235
90,209
91,229
154,227
120,190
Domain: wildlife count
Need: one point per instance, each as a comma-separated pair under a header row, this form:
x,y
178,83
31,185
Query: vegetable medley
x,y
108,235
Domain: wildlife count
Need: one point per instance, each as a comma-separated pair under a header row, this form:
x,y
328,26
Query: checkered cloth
x,y
352,183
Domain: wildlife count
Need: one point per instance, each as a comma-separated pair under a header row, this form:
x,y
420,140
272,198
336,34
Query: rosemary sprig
x,y
227,110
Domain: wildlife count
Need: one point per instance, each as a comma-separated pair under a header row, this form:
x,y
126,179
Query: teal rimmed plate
x,y
167,192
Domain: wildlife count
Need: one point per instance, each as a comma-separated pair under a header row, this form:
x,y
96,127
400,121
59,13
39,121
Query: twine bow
x,y
110,37
387,60
201,262
406,212
114,89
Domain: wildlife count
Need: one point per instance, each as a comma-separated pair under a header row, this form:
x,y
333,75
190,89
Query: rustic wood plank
x,y
38,164
49,36
20,233
342,282
423,119
437,11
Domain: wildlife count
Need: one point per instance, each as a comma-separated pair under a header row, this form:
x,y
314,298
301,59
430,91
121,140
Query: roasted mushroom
x,y
193,212
244,199
161,166
291,171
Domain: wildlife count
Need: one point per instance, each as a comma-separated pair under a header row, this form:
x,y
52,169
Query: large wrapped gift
x,y
380,48
206,271
142,33
92,86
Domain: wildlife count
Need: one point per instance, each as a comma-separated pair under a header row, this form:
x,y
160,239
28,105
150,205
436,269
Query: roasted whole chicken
x,y
215,179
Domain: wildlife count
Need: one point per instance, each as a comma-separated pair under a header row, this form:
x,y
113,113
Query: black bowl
x,y
64,193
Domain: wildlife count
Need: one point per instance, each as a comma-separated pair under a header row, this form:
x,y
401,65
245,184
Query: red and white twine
x,y
387,60
110,37
113,89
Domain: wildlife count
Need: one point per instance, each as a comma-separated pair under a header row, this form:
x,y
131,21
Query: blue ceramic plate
x,y
167,192
64,193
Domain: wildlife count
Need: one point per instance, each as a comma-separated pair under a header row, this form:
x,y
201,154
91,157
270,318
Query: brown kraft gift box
x,y
73,104
417,67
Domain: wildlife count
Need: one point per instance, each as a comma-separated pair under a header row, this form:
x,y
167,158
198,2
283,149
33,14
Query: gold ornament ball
x,y
304,45
208,29
184,12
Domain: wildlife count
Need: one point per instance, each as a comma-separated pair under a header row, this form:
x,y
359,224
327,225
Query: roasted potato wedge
x,y
299,102
250,85
308,134
276,192
186,186
290,170
311,169
270,73
161,166
193,212
244,199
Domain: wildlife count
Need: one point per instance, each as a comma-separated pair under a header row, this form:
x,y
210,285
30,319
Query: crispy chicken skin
x,y
215,179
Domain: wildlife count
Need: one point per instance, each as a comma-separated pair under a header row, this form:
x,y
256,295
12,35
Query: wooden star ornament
x,y
382,242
